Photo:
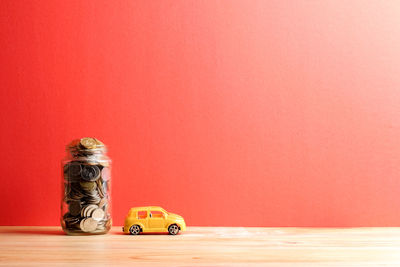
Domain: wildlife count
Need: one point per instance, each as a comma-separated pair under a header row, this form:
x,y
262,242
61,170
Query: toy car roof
x,y
147,208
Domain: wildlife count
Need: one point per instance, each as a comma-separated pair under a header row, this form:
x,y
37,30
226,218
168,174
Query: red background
x,y
237,113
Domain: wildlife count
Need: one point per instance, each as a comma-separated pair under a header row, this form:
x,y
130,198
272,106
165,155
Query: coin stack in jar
x,y
86,200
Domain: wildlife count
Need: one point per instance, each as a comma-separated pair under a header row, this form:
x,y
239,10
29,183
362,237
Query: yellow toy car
x,y
152,220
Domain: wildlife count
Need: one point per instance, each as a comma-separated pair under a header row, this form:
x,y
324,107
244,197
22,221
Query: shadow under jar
x,y
86,193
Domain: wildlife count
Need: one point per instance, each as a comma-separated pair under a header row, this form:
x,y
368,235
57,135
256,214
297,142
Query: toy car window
x,y
157,214
142,214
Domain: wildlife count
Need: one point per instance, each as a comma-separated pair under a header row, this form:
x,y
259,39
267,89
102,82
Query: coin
x,y
74,143
90,172
98,142
90,210
102,202
100,188
88,143
88,186
73,170
92,199
97,214
67,189
68,217
92,162
70,221
89,225
75,192
74,207
104,163
86,210
81,225
101,225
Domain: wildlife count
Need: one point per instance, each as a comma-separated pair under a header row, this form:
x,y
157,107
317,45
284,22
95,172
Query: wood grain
x,y
203,246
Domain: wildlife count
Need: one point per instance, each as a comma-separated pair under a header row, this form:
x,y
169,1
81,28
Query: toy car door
x,y
157,219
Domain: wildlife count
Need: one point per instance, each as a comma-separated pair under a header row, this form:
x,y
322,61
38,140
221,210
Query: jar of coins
x,y
86,198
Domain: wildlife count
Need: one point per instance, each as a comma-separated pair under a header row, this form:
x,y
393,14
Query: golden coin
x,y
88,186
102,202
91,162
88,143
104,163
98,142
100,188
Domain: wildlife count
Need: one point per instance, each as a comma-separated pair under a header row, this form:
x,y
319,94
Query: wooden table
x,y
203,246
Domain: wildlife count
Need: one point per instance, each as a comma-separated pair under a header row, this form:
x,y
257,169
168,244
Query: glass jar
x,y
86,195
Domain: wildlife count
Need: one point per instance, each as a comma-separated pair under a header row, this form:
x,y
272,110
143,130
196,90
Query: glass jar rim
x,y
101,149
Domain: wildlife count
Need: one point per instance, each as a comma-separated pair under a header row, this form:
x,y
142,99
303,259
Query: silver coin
x,y
90,211
90,173
97,214
81,225
85,211
89,225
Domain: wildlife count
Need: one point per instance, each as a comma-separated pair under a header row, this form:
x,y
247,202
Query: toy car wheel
x,y
173,229
134,230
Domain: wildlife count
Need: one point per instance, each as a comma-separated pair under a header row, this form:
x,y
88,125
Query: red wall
x,y
238,113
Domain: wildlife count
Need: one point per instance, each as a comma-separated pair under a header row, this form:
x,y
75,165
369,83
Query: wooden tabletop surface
x,y
203,246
